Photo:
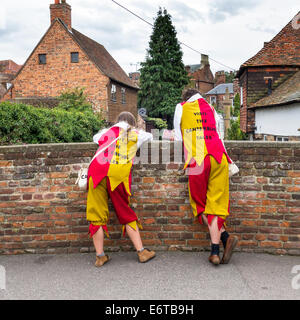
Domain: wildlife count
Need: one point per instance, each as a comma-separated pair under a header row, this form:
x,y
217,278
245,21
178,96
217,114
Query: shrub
x,y
21,123
158,123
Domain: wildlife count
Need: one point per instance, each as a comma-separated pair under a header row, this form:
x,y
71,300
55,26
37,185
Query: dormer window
x,y
42,58
74,57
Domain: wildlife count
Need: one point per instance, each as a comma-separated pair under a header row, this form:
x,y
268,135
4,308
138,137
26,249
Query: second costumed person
x,y
109,176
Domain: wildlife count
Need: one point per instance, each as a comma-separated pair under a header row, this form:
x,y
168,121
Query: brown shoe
x,y
230,245
146,255
214,259
100,261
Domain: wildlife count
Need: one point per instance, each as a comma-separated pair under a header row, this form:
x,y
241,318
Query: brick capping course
x,y
42,211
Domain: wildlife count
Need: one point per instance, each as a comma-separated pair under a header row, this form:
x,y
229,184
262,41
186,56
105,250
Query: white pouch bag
x,y
233,169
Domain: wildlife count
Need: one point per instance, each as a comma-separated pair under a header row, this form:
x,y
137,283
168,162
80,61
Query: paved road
x,y
170,276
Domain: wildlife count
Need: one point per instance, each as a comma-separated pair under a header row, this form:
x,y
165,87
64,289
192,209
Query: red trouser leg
x,y
120,201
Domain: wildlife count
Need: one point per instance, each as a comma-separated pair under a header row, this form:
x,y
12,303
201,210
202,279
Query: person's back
x,y
206,161
199,132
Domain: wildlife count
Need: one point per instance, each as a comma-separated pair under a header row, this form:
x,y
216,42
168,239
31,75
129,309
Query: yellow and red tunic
x,y
109,175
206,161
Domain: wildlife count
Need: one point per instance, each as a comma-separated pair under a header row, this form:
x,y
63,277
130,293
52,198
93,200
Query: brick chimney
x,y
60,9
204,60
220,77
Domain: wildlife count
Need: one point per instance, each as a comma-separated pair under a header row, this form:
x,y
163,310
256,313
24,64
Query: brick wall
x,y
116,107
41,211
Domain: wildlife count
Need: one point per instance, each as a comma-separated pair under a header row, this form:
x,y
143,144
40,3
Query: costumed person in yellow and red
x,y
109,176
196,123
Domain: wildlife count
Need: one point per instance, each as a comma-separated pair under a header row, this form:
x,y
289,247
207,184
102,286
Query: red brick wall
x,y
41,210
116,107
59,73
61,11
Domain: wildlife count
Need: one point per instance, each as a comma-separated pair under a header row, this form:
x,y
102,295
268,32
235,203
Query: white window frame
x,y
282,139
123,94
113,95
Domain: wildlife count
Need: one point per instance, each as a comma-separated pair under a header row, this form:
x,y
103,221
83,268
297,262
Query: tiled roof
x,y
9,67
103,60
286,93
283,49
221,89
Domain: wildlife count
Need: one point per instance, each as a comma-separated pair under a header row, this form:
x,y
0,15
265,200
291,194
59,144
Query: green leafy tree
x,y
234,132
230,76
74,100
163,76
236,105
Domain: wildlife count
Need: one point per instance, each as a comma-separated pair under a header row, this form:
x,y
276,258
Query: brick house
x,y
201,76
262,76
65,59
8,71
216,96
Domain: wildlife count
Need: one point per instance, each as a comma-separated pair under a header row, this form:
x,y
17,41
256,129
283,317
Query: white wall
x,y
279,121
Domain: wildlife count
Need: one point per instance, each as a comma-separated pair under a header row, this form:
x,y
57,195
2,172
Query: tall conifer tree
x,y
163,76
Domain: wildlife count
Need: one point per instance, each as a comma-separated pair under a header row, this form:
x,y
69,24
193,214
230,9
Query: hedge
x,y
26,124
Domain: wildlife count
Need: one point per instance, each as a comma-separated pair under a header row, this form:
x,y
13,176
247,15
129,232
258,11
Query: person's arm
x,y
143,136
177,123
97,136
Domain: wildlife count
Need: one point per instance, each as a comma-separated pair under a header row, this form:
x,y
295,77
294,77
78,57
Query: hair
x,y
187,94
127,117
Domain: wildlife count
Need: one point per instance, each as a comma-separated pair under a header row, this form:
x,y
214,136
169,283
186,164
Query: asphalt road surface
x,y
170,276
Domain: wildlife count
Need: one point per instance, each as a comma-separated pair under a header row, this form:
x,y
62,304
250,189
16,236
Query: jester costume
x,y
206,159
109,175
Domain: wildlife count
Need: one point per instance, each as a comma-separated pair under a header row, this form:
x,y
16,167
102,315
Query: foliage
x,y
163,76
230,76
234,132
21,123
74,100
158,123
236,105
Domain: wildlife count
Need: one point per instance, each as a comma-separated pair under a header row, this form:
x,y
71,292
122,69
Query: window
x,y
123,91
74,57
282,139
269,86
42,59
113,93
241,96
213,100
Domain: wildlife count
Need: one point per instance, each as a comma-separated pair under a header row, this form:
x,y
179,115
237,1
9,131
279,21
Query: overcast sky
x,y
229,31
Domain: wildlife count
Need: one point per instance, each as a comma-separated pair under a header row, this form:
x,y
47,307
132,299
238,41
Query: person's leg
x,y
97,215
218,204
135,237
215,233
98,240
127,217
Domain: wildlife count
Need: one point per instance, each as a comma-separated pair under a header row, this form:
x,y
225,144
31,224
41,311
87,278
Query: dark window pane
x,y
42,59
75,57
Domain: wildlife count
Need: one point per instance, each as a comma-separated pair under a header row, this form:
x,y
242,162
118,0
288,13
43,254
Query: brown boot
x,y
230,245
146,255
214,259
100,261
